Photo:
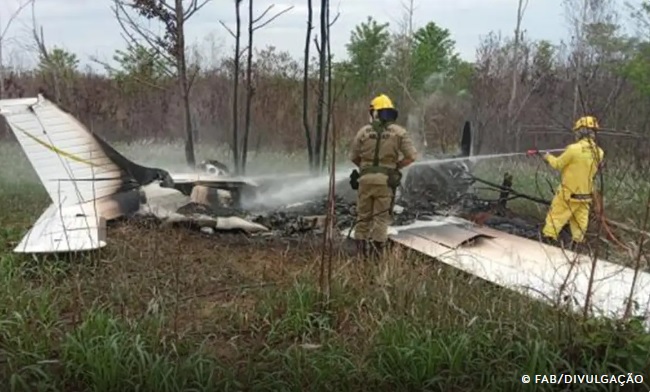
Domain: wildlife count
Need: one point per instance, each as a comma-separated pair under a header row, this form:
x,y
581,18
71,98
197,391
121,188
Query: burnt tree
x,y
305,85
170,46
322,75
235,90
330,96
254,24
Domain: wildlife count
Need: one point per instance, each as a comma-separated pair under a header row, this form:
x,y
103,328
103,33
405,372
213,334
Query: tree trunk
x,y
579,59
515,73
235,99
328,118
249,87
183,85
321,84
2,70
305,86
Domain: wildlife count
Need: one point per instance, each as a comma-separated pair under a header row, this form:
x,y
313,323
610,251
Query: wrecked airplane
x,y
90,183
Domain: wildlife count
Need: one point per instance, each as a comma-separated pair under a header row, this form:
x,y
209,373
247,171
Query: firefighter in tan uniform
x,y
380,150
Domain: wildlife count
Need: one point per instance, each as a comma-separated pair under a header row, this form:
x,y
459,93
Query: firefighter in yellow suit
x,y
376,150
578,165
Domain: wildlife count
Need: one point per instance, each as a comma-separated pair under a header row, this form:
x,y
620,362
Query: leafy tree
x,y
366,70
139,64
433,54
607,46
460,75
638,69
59,63
543,58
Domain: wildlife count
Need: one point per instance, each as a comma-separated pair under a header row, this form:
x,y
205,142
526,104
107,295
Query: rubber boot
x,y
548,240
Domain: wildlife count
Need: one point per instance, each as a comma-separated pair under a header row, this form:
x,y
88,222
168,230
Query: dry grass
x,y
174,310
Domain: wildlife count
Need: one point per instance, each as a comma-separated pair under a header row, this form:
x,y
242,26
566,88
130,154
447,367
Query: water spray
x,y
482,157
287,188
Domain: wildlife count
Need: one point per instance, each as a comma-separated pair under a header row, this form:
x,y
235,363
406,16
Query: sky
x,y
89,29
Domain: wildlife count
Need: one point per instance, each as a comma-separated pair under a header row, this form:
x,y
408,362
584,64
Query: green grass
x,y
176,311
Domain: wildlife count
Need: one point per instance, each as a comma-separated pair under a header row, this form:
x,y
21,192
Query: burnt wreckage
x,y
439,189
86,177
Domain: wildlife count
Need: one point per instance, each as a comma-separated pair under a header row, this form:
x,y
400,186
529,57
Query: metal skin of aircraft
x,y
91,183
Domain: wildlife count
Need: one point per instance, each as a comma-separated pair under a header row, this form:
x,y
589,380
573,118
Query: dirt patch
x,y
211,284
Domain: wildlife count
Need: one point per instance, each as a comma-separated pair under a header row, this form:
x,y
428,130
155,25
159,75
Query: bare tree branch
x,y
194,8
13,17
272,18
317,44
3,34
39,40
170,46
232,33
338,14
192,77
515,64
525,100
263,14
147,35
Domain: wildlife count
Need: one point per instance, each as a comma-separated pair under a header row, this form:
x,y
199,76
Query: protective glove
x,y
354,180
403,163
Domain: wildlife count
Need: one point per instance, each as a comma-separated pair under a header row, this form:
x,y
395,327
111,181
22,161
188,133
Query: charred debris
x,y
426,191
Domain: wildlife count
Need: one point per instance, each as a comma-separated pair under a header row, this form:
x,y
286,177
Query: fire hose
x,y
597,202
598,210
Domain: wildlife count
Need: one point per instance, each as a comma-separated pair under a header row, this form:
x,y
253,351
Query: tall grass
x,y
426,334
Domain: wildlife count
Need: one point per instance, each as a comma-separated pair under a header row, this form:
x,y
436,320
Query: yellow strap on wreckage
x,y
54,149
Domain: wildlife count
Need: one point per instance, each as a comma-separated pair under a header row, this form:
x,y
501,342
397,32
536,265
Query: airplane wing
x,y
65,229
538,270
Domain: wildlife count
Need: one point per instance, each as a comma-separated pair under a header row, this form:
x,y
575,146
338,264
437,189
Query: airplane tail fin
x,y
86,179
74,165
466,140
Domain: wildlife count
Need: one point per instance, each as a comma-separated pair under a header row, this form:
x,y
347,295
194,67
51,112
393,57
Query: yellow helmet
x,y
381,102
589,122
